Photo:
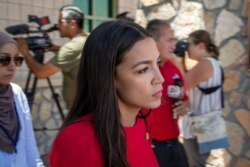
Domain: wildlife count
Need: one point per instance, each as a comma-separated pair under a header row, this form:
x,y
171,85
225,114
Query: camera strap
x,y
210,90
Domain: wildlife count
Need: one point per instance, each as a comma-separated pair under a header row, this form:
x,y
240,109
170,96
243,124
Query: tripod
x,y
30,88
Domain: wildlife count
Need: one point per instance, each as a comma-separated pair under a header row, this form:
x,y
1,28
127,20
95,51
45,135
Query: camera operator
x,y
165,131
70,25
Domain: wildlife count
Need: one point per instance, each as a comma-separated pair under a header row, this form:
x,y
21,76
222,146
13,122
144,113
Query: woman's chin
x,y
154,104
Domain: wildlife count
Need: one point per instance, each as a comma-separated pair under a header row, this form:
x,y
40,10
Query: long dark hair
x,y
96,93
202,36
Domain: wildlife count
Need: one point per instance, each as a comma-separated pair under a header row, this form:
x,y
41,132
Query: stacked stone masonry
x,y
226,20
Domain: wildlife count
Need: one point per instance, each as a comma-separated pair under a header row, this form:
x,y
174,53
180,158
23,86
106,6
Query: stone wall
x,y
227,23
125,5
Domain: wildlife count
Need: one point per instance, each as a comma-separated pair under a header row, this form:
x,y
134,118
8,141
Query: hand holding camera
x,y
181,48
23,47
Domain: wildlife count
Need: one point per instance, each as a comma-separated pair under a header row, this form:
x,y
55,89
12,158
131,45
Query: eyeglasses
x,y
63,21
5,59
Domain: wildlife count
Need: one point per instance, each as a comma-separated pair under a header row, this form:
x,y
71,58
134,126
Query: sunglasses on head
x,y
5,59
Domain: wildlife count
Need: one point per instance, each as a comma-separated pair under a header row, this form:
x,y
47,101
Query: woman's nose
x,y
12,65
159,76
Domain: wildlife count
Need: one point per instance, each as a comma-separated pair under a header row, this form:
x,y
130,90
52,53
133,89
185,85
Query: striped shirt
x,y
199,102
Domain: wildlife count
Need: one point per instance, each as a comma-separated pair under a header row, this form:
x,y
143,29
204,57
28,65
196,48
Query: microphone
x,y
175,92
18,29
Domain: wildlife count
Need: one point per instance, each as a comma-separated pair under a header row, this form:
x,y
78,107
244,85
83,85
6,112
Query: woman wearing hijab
x,y
17,141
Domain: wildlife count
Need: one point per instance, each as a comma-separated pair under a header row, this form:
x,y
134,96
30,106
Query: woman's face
x,y
138,80
195,50
7,71
191,49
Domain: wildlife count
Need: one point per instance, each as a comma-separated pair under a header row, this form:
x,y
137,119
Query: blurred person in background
x,y
17,142
164,130
204,84
67,57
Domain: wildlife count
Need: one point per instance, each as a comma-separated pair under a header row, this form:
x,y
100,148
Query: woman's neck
x,y
128,113
128,117
204,54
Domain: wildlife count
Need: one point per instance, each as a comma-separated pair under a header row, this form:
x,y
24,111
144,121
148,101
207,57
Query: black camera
x,y
181,48
35,43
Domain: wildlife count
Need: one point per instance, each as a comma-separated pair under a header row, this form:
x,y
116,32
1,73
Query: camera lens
x,y
181,48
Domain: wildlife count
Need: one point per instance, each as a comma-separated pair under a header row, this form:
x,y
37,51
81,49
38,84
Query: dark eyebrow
x,y
6,54
16,55
145,62
141,62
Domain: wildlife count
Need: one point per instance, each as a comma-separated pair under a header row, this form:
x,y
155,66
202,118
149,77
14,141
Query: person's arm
x,y
40,70
199,73
54,48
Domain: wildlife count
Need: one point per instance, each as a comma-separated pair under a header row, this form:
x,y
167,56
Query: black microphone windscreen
x,y
18,29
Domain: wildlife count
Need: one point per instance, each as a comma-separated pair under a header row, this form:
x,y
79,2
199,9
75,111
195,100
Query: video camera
x,y
181,48
35,43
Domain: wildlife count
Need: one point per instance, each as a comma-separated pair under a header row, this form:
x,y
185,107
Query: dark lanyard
x,y
145,121
13,141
